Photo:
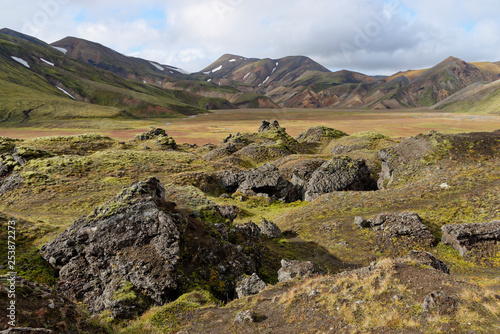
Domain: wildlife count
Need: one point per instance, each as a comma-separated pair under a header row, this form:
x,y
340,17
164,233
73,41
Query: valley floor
x,y
107,180
218,124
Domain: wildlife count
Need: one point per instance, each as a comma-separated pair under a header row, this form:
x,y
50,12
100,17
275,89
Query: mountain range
x,y
38,79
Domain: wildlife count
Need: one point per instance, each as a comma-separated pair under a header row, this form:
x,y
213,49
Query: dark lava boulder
x,y
10,183
268,181
266,126
340,173
163,141
298,166
270,229
41,309
249,285
137,250
151,134
407,224
396,233
297,269
230,180
465,237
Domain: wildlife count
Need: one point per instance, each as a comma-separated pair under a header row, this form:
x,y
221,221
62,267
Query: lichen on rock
x,y
131,252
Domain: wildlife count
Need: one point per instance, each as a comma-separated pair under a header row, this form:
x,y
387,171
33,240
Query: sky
x,y
371,37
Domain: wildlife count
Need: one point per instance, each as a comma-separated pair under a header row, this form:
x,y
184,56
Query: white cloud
x,y
362,35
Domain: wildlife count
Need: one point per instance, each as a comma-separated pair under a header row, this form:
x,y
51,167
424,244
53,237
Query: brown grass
x,y
216,126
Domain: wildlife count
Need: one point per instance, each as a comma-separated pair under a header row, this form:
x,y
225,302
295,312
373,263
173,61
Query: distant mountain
x,y
426,87
19,35
39,83
93,73
127,67
475,98
288,82
260,73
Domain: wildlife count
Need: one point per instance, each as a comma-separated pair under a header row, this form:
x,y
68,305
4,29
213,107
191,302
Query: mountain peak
x,y
449,60
19,35
108,59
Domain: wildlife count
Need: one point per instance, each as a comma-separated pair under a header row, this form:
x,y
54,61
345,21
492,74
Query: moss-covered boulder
x,y
137,250
151,134
7,144
319,133
338,174
258,153
158,138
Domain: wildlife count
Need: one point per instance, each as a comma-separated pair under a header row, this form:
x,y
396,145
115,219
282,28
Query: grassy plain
x,y
216,125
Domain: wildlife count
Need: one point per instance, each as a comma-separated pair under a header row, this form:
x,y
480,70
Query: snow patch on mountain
x,y
63,50
180,70
47,62
232,60
263,82
157,66
246,75
21,61
65,92
217,69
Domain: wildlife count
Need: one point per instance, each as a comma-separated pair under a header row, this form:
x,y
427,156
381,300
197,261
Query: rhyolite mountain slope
x,y
301,82
234,81
128,67
41,84
433,85
234,70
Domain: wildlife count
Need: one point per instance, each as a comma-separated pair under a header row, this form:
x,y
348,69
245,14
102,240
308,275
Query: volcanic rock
x,y
267,180
270,229
464,237
361,222
439,302
340,173
230,180
10,183
427,259
248,316
291,269
41,309
249,230
265,126
151,134
407,151
250,285
128,254
229,212
319,133
408,224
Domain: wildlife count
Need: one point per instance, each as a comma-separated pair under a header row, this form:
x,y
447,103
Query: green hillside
x,y
41,85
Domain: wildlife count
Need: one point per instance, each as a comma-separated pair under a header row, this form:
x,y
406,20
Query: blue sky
x,y
373,37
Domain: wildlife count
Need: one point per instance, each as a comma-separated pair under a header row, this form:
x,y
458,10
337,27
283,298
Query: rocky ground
x,y
262,233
